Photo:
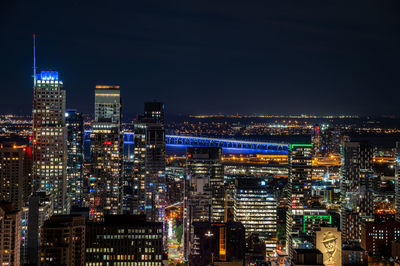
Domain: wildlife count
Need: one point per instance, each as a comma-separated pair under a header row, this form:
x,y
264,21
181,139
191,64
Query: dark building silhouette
x,y
217,242
62,240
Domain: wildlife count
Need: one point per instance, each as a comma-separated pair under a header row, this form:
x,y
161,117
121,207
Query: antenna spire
x,y
34,59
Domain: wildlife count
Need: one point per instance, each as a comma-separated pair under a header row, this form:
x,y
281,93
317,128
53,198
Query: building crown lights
x,y
47,75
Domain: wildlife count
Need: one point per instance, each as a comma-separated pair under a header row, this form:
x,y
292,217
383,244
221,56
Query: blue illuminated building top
x,y
47,75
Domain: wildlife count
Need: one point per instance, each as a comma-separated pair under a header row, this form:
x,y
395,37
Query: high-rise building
x,y
149,163
256,208
10,235
397,182
62,240
75,131
155,111
316,140
107,104
331,140
49,139
203,189
356,187
39,210
106,154
124,240
15,173
299,190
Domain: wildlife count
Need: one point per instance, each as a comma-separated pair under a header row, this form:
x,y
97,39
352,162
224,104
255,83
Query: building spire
x,y
34,59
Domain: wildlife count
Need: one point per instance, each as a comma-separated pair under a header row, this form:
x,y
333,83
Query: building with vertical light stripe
x,y
356,188
106,143
74,123
49,139
299,191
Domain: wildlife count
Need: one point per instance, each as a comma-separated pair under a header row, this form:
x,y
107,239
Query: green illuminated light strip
x,y
291,146
310,217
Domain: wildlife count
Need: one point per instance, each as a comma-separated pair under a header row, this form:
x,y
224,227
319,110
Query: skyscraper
x,y
204,191
74,123
149,162
356,187
106,154
49,139
107,104
256,208
15,173
299,190
10,235
396,182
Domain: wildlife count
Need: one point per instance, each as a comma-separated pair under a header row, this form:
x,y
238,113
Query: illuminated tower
x,y
49,139
149,161
106,154
74,123
356,188
299,190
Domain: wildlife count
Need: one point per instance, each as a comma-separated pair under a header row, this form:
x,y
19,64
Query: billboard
x,y
329,242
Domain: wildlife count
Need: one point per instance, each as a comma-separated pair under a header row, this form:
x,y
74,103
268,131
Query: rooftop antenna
x,y
34,59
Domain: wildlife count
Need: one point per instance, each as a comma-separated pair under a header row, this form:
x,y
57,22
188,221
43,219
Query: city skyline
x,y
195,134
286,58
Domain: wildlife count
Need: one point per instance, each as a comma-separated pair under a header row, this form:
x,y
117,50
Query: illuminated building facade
x,y
218,242
255,207
62,240
10,235
203,189
329,242
74,124
299,190
149,161
356,187
49,139
15,173
106,154
124,240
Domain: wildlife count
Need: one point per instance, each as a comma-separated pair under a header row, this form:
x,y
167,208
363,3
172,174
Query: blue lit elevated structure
x,y
227,145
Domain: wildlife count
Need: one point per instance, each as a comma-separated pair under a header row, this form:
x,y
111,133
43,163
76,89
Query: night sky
x,y
200,57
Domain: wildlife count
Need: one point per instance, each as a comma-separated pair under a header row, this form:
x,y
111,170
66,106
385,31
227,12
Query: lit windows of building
x,y
49,139
255,207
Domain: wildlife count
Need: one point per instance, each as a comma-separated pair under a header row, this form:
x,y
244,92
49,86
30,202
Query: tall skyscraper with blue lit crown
x,y
49,139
